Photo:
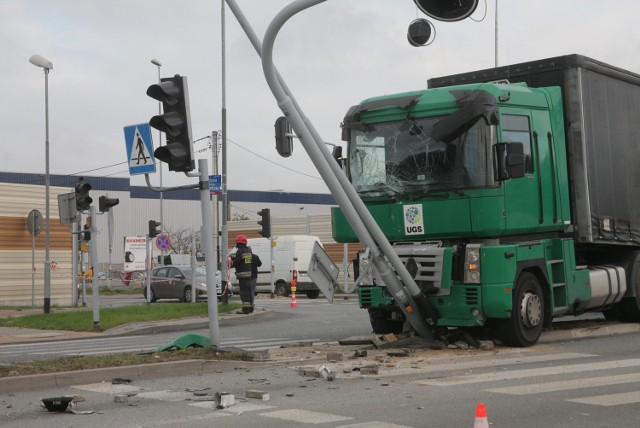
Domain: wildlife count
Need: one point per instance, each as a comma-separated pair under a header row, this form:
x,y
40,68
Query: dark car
x,y
174,282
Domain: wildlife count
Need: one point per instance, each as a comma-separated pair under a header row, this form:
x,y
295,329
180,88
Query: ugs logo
x,y
413,220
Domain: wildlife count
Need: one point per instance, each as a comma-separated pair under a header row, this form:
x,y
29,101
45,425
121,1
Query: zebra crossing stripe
x,y
567,385
305,416
527,373
610,399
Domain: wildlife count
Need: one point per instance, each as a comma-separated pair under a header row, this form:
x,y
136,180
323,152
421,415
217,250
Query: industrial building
x,y
22,255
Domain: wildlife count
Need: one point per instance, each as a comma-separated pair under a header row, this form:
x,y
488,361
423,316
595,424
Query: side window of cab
x,y
516,129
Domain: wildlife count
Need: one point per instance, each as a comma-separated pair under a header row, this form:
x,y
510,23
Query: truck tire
x,y
282,290
313,294
382,323
524,326
628,309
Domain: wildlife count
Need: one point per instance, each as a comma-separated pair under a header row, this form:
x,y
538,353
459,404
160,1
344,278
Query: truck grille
x,y
424,263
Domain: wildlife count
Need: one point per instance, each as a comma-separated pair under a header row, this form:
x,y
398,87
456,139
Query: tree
x,y
181,241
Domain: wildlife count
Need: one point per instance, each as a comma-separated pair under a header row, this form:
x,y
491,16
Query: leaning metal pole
x,y
352,206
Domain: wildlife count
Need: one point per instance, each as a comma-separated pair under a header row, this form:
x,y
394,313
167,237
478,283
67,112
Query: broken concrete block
x,y
390,337
334,356
486,345
120,398
224,400
260,395
369,370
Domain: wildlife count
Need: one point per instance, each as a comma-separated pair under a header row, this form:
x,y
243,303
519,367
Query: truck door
x,y
531,201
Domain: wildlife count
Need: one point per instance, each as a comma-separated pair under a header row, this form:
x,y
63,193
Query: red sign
x,y
163,242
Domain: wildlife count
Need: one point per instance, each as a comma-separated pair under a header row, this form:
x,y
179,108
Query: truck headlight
x,y
472,264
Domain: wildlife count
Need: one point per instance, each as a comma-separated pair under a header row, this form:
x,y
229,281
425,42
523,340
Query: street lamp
x,y
159,64
40,61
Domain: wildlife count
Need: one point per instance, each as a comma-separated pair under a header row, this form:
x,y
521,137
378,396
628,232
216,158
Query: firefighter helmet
x,y
241,239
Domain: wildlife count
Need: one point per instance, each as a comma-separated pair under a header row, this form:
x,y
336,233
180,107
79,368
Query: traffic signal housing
x,y
447,10
153,228
265,222
175,122
83,200
284,139
105,203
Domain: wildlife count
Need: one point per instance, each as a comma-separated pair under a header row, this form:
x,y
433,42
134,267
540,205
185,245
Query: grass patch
x,y
82,319
63,364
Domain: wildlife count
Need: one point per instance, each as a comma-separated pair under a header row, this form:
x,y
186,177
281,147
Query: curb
x,y
139,372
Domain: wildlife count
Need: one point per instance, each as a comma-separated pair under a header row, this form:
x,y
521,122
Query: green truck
x,y
511,195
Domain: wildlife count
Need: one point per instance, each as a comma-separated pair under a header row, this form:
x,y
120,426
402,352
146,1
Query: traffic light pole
x,y
93,251
207,244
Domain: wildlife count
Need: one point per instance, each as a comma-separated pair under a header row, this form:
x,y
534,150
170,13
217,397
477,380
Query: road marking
x,y
527,373
237,408
305,416
567,385
610,399
374,424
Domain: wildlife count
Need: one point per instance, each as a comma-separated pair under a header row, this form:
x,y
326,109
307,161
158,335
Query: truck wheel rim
x,y
531,310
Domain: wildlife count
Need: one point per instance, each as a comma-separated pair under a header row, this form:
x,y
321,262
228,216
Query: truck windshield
x,y
392,158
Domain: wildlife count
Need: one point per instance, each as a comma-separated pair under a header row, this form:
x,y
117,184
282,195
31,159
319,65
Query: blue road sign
x,y
163,242
139,144
215,184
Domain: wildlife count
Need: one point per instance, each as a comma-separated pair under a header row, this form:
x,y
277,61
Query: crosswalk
x,y
527,381
578,378
133,344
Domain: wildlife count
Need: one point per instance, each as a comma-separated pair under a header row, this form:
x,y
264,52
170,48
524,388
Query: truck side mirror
x,y
508,160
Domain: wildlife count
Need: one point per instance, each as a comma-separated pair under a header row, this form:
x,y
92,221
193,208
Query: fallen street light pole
x,y
411,301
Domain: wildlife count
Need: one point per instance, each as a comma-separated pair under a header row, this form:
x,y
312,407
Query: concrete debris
x,y
120,398
224,400
399,353
368,370
486,345
326,373
359,354
262,355
461,345
255,393
334,356
120,381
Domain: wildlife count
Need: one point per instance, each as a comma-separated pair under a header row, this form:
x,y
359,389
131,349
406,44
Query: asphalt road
x,y
585,383
314,321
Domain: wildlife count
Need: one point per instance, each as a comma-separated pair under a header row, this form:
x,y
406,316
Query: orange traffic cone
x,y
481,417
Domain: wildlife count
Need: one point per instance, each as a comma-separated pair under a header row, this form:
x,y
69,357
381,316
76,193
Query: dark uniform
x,y
255,264
242,264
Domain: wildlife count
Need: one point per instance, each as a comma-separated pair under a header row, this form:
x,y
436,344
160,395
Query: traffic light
x,y
83,200
153,228
284,140
419,33
105,203
447,10
175,122
265,222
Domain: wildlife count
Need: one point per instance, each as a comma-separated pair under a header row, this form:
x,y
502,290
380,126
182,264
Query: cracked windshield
x,y
392,158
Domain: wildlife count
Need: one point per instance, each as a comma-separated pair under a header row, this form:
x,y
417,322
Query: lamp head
x,y
40,61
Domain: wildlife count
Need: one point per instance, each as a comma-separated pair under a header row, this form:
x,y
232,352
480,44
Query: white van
x,y
289,252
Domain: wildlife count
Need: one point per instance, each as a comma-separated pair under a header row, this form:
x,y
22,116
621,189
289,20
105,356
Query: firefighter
x,y
242,264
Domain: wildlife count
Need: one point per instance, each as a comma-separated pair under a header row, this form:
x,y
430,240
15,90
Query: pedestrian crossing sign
x,y
139,149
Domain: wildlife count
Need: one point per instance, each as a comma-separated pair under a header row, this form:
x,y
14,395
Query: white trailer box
x,y
289,252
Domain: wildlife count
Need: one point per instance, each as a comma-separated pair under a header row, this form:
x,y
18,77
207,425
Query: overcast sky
x,y
331,56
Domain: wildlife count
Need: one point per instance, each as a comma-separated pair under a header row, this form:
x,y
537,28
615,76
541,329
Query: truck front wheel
x,y
382,323
527,316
